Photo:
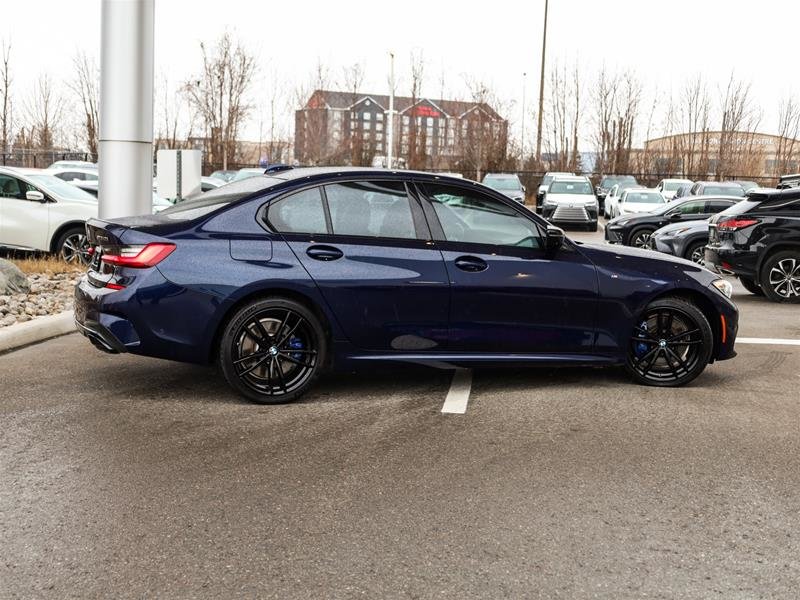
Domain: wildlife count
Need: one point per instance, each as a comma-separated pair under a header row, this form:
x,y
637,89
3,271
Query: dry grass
x,y
46,264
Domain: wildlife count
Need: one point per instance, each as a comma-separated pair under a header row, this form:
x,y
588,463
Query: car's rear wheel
x,y
696,253
670,345
640,238
751,286
73,246
272,350
780,277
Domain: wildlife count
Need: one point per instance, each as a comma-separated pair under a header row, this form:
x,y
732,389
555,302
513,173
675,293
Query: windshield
x,y
723,190
644,198
206,203
547,180
60,188
570,187
502,183
611,181
672,186
245,173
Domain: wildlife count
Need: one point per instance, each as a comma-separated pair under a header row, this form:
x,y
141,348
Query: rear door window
x,y
371,209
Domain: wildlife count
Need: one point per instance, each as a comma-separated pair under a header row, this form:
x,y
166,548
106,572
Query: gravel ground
x,y
50,293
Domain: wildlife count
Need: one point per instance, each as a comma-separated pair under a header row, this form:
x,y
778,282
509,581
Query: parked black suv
x,y
758,240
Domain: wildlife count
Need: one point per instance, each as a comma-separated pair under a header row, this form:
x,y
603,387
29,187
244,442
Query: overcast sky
x,y
665,42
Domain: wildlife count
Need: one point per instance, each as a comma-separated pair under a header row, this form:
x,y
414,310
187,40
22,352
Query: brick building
x,y
347,128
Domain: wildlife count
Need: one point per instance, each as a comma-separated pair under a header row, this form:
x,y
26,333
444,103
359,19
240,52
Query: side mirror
x,y
553,238
675,216
523,189
35,195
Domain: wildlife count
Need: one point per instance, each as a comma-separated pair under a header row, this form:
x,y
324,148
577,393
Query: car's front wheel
x,y
671,344
640,238
780,277
696,253
272,350
73,246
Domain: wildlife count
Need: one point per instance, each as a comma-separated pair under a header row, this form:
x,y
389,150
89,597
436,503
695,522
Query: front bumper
x,y
613,234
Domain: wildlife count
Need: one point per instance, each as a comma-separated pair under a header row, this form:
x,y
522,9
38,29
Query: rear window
x,y
719,190
644,198
208,202
740,207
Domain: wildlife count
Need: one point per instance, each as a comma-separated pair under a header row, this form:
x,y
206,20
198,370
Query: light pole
x,y
390,132
541,91
522,141
126,108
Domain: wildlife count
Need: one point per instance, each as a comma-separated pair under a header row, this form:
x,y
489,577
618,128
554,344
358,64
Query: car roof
x,y
762,194
641,189
720,183
501,175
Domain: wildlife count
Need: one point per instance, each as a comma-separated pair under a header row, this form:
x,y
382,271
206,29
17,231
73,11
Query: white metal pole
x,y
126,108
522,140
390,132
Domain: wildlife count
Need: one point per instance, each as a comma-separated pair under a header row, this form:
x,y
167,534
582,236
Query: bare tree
x,y
416,139
787,155
482,138
563,119
358,149
219,94
85,85
692,119
737,153
5,92
174,116
44,111
312,129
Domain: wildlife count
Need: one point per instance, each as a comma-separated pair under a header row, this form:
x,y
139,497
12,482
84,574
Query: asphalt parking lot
x,y
123,476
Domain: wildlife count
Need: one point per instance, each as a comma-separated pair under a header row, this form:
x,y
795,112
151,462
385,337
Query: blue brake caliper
x,y
295,343
641,348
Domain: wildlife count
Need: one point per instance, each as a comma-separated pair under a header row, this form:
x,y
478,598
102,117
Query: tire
x,y
639,237
592,226
73,246
680,349
272,350
695,252
751,286
780,277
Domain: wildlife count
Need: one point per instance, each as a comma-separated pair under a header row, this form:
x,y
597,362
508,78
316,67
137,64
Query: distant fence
x,y
41,159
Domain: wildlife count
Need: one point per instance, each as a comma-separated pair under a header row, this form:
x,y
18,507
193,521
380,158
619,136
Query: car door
x,y
366,245
24,223
508,295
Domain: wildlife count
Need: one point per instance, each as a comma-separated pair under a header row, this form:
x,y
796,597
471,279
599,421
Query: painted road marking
x,y
774,341
458,396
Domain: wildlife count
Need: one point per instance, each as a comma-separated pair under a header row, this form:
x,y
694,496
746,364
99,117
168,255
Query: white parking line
x,y
775,341
458,396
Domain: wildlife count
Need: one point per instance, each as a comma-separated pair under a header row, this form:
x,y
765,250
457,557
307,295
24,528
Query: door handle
x,y
471,264
324,252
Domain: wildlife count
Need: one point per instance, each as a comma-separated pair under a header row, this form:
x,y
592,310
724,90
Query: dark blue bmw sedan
x,y
281,276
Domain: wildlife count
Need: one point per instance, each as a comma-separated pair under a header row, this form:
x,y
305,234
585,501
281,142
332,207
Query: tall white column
x,y
126,108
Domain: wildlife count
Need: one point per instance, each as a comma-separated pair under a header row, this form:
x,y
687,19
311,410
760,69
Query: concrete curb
x,y
36,330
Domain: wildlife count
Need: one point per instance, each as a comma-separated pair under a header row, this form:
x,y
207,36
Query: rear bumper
x,y
728,260
100,336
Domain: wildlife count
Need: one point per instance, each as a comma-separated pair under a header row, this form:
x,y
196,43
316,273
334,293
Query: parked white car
x,y
640,200
669,187
41,212
72,174
611,208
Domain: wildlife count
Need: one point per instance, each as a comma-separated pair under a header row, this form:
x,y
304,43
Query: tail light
x,y
138,257
734,224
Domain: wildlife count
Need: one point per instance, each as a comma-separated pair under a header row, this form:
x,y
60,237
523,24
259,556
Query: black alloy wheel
x,y
696,253
272,350
780,277
670,345
751,286
73,247
640,238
